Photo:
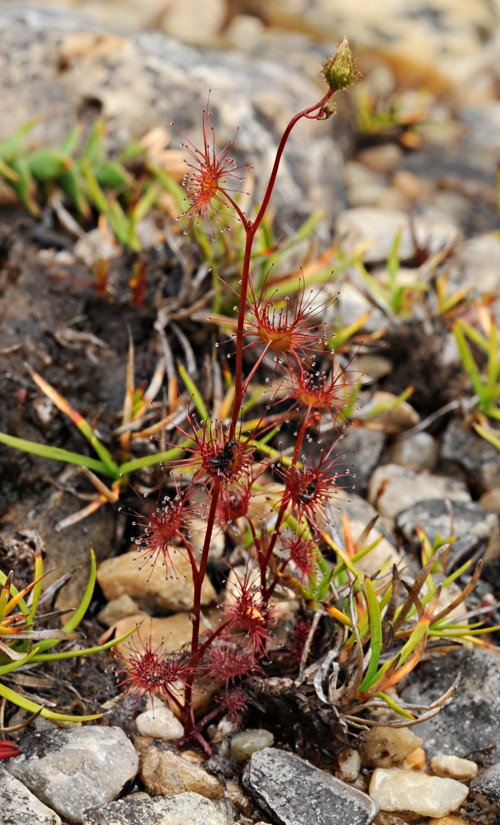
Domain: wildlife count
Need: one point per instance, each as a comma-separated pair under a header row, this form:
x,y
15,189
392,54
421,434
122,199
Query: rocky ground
x,y
414,149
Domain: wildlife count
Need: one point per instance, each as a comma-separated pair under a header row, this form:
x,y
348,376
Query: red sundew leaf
x,y
317,391
211,175
216,457
248,611
228,661
288,330
310,487
153,672
165,528
302,554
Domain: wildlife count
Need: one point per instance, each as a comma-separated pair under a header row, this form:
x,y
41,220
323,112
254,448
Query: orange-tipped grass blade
x,y
77,419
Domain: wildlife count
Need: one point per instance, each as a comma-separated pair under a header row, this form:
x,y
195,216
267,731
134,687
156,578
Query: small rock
x,y
483,131
364,186
471,721
148,586
171,810
485,788
452,819
170,633
393,489
384,747
177,20
249,741
118,609
294,792
478,531
394,418
416,452
19,806
168,773
491,500
360,450
351,304
478,263
376,229
448,765
415,761
383,159
77,768
386,818
411,186
349,765
398,790
159,722
465,449
374,367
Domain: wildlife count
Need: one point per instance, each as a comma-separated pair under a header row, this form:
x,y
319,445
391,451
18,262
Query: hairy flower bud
x,y
340,70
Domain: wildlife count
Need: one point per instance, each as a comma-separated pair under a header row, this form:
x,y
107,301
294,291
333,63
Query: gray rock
x,y
485,788
294,792
473,454
476,265
74,769
472,720
483,131
477,530
19,806
376,229
183,809
417,452
138,82
393,488
361,449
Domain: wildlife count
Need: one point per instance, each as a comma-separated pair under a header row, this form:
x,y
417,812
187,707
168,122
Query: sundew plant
x,y
229,473
263,469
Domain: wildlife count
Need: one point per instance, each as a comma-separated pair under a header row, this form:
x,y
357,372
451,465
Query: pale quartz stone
x,y
453,766
349,765
384,747
398,790
415,761
393,417
167,773
246,742
159,722
152,587
393,489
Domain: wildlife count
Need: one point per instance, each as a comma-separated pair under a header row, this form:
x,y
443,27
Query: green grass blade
x,y
151,460
376,634
54,453
88,651
82,608
194,393
488,435
32,707
394,705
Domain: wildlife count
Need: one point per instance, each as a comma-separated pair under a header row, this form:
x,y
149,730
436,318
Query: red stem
x,y
198,579
250,231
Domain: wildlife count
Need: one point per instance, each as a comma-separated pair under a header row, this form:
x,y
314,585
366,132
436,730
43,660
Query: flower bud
x,y
340,70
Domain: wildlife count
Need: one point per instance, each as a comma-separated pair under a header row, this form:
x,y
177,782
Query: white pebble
x,y
160,723
453,766
399,790
246,742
